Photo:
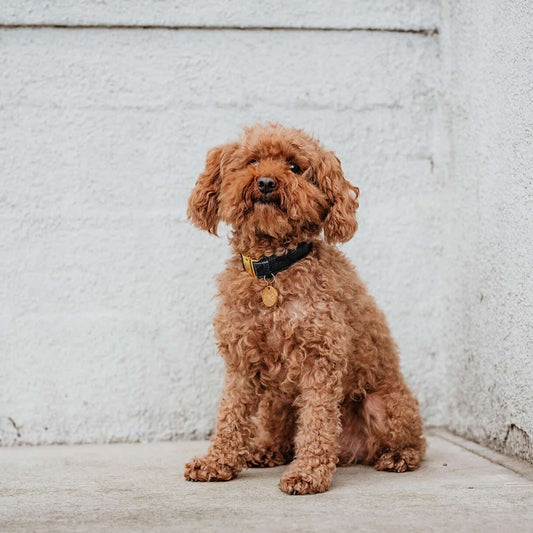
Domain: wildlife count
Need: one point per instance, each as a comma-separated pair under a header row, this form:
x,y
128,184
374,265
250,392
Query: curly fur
x,y
315,380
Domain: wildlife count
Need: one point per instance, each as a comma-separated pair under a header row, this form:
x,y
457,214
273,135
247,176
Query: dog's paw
x,y
305,479
399,461
268,457
208,469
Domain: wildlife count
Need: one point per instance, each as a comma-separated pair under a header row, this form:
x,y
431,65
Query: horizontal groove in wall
x,y
422,31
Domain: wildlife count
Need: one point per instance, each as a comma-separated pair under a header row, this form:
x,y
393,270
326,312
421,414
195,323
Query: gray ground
x,y
139,487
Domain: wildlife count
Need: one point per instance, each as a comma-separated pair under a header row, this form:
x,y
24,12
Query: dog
x,y
312,373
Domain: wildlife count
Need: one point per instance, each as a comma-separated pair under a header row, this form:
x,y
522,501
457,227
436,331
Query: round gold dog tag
x,y
270,296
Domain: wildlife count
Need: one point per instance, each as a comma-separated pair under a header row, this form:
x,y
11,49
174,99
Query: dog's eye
x,y
253,162
294,167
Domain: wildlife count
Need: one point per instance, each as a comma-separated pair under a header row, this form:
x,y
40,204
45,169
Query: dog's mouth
x,y
272,199
260,203
268,199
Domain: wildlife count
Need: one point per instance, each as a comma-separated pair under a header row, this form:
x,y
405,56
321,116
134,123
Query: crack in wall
x,y
422,31
518,443
17,429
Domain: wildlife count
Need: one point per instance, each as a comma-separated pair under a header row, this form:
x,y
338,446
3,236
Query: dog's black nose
x,y
266,184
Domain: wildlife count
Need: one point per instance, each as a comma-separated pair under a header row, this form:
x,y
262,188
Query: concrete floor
x,y
139,487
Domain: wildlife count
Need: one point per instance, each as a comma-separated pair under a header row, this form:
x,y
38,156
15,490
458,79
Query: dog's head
x,y
276,182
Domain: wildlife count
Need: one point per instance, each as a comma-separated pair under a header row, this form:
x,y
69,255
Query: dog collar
x,y
268,266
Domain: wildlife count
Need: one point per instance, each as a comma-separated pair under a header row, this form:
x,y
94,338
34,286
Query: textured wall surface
x,y
375,14
107,111
488,63
105,330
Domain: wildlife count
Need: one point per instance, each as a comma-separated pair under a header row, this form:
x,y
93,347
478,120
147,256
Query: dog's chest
x,y
244,317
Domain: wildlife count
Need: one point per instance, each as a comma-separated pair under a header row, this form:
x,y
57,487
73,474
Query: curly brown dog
x,y
312,373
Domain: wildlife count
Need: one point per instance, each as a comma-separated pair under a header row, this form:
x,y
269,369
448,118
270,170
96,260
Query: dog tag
x,y
270,296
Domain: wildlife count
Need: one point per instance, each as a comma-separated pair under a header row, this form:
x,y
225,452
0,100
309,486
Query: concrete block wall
x,y
487,52
107,110
106,335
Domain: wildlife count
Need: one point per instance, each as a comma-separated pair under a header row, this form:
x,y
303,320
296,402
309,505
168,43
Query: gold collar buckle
x,y
248,264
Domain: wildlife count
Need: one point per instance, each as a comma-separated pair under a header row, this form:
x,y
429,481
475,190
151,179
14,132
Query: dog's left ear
x,y
340,223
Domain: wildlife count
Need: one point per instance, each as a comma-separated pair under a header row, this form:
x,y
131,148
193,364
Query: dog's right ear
x,y
202,209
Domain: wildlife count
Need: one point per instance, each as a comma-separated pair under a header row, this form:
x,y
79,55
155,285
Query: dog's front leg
x,y
229,446
318,431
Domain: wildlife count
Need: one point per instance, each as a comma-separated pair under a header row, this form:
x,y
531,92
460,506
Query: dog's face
x,y
275,182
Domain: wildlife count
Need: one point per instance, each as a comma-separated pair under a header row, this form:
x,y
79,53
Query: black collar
x,y
268,266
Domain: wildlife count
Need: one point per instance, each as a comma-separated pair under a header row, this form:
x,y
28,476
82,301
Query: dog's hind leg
x,y
393,429
272,444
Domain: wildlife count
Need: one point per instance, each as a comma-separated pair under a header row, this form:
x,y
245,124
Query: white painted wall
x,y
105,333
344,14
488,67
